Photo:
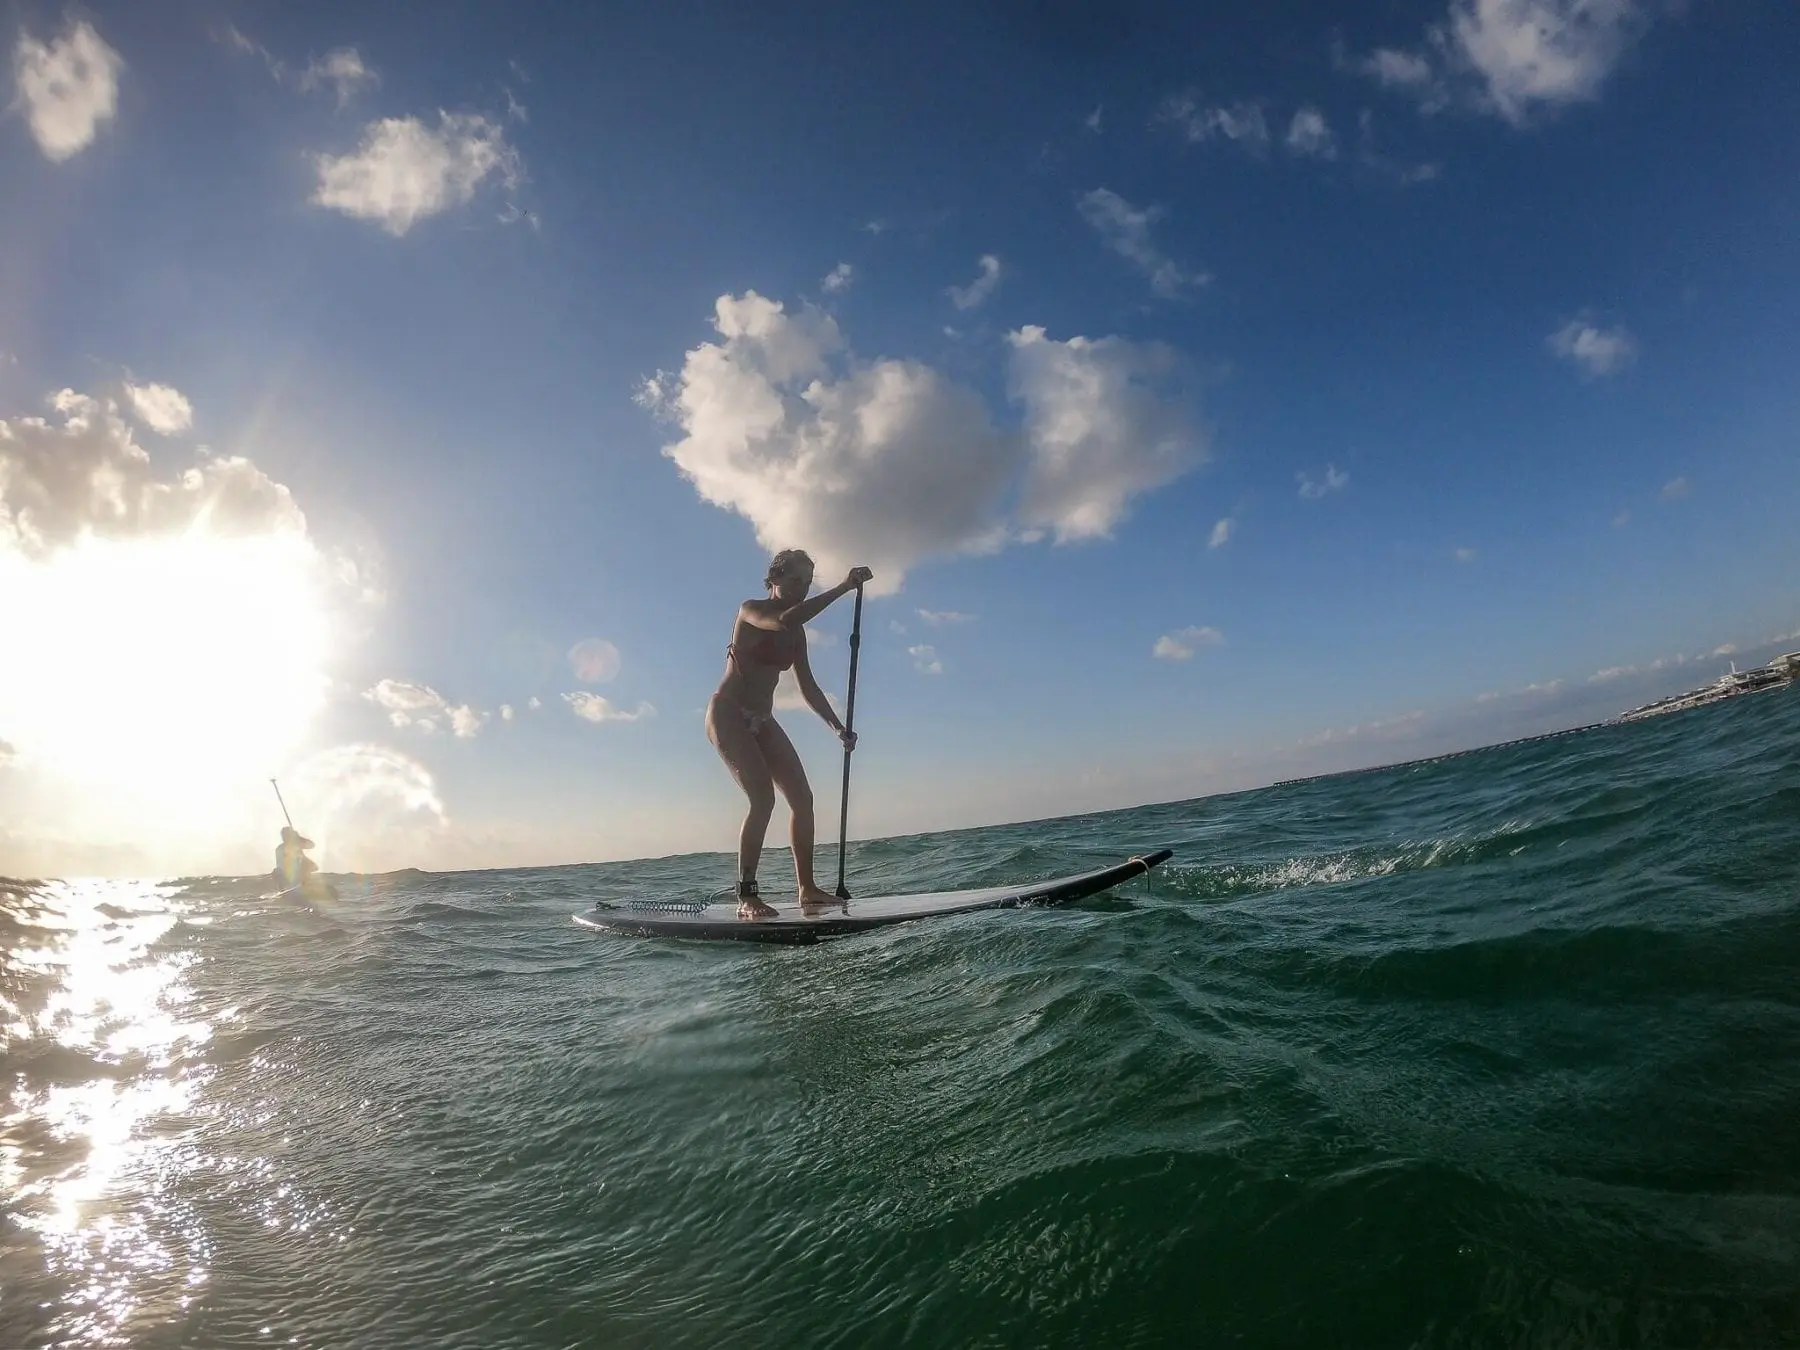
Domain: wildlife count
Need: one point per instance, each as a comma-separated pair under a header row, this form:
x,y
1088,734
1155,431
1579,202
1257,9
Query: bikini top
x,y
769,649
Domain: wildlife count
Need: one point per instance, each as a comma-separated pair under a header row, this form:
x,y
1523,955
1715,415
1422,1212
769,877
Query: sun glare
x,y
162,668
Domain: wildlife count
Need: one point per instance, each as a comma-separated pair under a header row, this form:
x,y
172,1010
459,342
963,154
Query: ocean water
x,y
1495,1051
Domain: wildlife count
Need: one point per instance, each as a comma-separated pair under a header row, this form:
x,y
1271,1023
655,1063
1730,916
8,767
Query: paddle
x,y
284,811
843,892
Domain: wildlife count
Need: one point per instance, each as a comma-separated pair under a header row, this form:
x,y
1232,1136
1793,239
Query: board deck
x,y
720,921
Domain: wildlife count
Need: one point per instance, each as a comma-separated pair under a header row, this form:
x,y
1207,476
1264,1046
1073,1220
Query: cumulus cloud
x,y
534,703
1221,533
369,806
1465,555
939,617
1675,489
1241,123
594,660
162,408
1313,488
1594,350
81,471
506,712
925,659
1184,642
1310,134
423,708
1126,231
977,291
1611,673
594,708
68,87
405,171
1105,422
889,462
1515,59
342,71
1725,649
838,279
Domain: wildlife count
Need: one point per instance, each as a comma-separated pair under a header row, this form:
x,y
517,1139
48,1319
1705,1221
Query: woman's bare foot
x,y
812,898
750,904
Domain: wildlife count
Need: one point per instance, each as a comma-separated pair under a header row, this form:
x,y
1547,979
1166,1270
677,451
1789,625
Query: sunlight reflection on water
x,y
101,1052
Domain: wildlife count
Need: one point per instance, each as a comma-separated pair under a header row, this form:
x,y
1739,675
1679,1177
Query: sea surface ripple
x,y
1501,1050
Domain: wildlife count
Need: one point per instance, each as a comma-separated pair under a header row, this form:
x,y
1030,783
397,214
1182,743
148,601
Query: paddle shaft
x,y
849,728
278,797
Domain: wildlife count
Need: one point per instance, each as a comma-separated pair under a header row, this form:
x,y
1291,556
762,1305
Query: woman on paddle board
x,y
770,637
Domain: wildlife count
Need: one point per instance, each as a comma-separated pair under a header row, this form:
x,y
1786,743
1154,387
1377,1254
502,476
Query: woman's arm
x,y
816,698
766,614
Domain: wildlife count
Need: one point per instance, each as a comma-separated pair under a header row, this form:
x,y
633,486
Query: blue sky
x,y
402,406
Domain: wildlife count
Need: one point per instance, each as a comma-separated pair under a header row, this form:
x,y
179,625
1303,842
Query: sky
x,y
399,402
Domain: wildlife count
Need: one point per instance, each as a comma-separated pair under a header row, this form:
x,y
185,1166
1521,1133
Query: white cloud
x,y
68,87
422,707
925,659
162,408
1126,231
1184,642
1725,649
1398,69
838,279
1675,489
1092,120
1310,134
342,70
593,708
594,660
1242,123
1313,488
82,471
1611,673
1621,520
405,171
1221,533
1597,351
1104,423
1465,555
370,807
978,290
534,703
1405,724
1514,58
506,712
890,462
938,617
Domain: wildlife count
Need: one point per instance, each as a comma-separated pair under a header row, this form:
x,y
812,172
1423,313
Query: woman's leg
x,y
790,776
730,735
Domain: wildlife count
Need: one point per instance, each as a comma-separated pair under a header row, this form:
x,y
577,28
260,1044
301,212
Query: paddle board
x,y
720,921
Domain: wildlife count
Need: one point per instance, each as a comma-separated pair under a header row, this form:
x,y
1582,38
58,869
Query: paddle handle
x,y
843,892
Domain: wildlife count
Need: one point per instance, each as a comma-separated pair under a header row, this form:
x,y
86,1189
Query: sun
x,y
163,670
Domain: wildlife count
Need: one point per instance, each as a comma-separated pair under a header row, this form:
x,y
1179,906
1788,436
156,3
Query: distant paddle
x,y
843,892
284,811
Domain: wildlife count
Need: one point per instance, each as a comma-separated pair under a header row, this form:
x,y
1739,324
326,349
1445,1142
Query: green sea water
x,y
1495,1051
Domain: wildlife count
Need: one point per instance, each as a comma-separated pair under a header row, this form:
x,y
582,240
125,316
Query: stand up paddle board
x,y
791,924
